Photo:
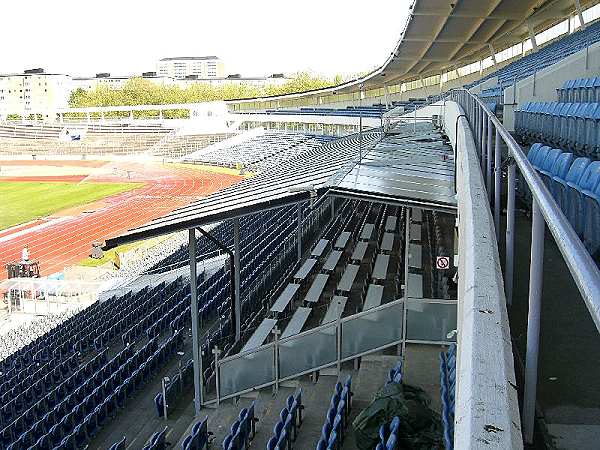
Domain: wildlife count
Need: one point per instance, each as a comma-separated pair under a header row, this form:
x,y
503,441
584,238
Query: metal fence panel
x,y
308,350
371,330
247,371
430,321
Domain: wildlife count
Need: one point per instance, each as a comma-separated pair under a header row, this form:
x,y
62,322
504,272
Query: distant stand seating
x,y
545,56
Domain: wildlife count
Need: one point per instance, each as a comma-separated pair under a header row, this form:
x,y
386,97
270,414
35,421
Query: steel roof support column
x,y
580,13
532,36
237,279
536,272
196,346
493,55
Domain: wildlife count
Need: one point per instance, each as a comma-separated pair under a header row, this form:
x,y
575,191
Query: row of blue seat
x,y
285,430
448,392
15,397
545,56
75,430
199,438
242,431
19,417
575,185
336,421
574,126
388,435
580,90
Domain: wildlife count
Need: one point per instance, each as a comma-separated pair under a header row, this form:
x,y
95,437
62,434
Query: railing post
x,y
483,142
536,272
489,158
497,183
276,334
217,352
510,232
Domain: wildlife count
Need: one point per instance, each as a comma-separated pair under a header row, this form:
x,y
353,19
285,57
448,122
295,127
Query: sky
x,y
258,37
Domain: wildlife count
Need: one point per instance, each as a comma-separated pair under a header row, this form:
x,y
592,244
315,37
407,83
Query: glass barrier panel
x,y
307,351
372,330
245,372
426,321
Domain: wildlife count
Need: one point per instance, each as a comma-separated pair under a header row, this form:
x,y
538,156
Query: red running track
x,y
69,241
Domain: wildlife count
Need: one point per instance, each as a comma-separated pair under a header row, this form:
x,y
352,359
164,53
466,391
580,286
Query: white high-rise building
x,y
184,66
33,92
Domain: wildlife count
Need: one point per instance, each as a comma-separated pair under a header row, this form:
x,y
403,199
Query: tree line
x,y
141,91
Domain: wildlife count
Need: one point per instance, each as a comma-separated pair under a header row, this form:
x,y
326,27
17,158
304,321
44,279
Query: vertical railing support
x,y
510,232
217,352
536,272
488,176
276,334
483,141
497,183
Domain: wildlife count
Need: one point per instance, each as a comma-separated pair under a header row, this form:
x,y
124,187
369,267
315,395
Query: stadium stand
x,y
545,56
316,263
262,151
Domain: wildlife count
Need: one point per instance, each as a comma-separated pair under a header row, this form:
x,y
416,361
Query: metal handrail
x,y
545,210
580,263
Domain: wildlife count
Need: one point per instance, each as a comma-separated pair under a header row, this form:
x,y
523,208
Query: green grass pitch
x,y
21,202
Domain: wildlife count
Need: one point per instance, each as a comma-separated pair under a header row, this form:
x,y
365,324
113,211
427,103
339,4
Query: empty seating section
x,y
572,126
259,152
61,388
13,341
448,392
374,111
241,431
42,138
545,56
575,185
580,90
336,420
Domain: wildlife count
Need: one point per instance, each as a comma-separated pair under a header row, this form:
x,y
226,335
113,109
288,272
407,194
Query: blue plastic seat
x,y
588,182
591,229
560,184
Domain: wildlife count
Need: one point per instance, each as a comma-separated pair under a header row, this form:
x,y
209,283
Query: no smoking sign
x,y
442,263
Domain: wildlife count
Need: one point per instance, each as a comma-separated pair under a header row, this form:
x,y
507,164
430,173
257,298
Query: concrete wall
x,y
487,411
541,87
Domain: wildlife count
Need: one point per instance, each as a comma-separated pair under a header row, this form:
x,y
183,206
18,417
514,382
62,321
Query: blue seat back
x,y
550,159
576,170
591,177
561,165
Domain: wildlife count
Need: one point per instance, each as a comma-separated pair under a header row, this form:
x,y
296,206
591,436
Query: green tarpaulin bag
x,y
420,426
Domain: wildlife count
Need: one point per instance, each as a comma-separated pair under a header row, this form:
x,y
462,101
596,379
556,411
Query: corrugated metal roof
x,y
294,180
411,166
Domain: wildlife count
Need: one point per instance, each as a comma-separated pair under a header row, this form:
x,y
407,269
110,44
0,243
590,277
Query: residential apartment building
x,y
183,66
116,82
33,92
